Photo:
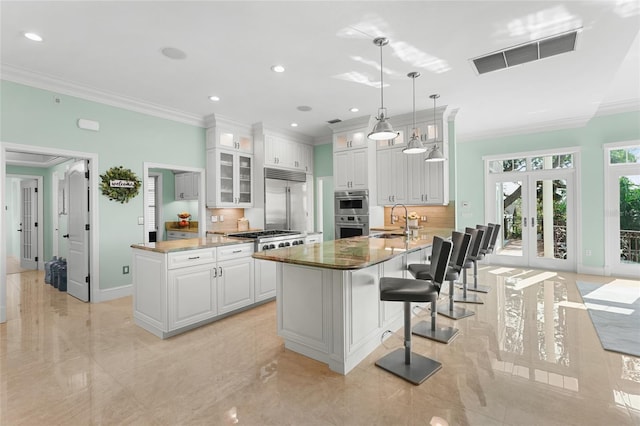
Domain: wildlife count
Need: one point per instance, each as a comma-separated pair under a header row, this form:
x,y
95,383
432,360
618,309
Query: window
x,y
547,162
625,155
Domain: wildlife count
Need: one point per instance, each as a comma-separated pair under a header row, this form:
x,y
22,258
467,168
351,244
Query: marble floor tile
x,y
529,356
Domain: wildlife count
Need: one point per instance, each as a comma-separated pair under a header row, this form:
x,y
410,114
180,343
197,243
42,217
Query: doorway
x,y
8,152
622,209
533,199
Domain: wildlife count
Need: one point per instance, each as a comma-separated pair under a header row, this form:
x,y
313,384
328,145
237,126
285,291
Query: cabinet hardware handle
x,y
215,272
533,221
237,251
220,270
194,257
524,221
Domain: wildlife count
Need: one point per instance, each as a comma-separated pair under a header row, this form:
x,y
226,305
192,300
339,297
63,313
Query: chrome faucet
x,y
406,218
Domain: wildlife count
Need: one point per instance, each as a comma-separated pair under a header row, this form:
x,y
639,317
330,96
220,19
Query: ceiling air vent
x,y
532,51
334,121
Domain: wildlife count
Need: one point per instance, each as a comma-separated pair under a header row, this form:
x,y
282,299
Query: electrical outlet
x,y
221,218
125,269
214,218
140,220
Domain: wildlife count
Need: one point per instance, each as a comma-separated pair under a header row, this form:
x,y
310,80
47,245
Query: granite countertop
x,y
352,253
174,226
211,241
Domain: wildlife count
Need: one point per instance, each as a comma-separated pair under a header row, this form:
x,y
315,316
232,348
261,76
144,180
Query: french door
x,y
536,211
622,201
29,224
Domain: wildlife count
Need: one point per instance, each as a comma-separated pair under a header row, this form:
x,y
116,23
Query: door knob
x,y
20,230
65,236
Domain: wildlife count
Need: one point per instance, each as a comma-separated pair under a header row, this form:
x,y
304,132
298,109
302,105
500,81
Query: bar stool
x,y
461,243
494,237
473,254
403,363
484,250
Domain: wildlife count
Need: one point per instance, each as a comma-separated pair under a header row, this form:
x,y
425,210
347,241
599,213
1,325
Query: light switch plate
x,y
221,218
214,218
140,220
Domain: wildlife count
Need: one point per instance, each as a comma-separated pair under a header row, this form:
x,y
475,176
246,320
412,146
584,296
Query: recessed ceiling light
x,y
173,53
277,68
354,109
304,108
214,98
33,36
294,124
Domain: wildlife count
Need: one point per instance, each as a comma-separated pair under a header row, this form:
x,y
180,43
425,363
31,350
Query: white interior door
x,y
537,216
78,232
29,224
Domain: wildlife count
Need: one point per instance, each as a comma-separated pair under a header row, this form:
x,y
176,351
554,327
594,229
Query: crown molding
x,y
546,126
54,84
618,107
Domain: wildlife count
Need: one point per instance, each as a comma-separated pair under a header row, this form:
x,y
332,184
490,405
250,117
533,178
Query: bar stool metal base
x,y
469,298
443,334
479,288
419,370
455,313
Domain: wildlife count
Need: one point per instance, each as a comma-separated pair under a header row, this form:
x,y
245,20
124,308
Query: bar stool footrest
x,y
456,313
442,334
470,298
420,369
479,289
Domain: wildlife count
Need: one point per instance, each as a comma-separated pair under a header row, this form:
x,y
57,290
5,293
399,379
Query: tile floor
x,y
530,356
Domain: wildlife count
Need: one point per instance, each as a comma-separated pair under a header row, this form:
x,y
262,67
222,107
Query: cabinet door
x,y
235,284
383,176
400,141
244,197
349,140
234,139
307,152
434,182
342,171
359,165
229,179
265,279
226,172
271,151
180,185
399,175
191,294
416,179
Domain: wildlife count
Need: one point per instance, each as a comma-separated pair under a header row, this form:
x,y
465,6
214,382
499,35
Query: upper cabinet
x,y
350,169
426,183
229,179
284,153
226,134
187,186
400,141
353,139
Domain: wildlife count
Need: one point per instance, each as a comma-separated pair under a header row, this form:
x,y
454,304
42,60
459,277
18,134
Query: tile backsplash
x,y
437,216
229,222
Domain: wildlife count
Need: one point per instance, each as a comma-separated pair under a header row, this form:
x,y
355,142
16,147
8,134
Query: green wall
x,y
32,116
590,138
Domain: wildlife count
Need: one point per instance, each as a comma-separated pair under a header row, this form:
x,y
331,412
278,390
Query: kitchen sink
x,y
387,236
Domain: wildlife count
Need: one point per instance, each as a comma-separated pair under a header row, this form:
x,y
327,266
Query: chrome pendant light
x,y
435,154
414,146
382,130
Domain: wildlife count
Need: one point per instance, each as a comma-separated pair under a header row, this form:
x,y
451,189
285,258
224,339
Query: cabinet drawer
x,y
235,251
191,258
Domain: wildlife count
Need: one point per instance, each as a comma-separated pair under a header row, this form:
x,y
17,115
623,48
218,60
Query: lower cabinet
x,y
265,279
175,292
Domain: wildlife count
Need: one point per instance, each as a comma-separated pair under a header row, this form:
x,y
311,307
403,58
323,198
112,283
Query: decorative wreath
x,y
120,184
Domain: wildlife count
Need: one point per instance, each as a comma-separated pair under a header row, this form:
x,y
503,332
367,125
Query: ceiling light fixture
x,y
294,124
414,146
277,68
214,98
382,130
354,109
435,154
173,53
33,37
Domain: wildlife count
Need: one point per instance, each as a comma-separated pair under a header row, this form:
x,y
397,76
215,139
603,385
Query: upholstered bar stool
x,y
484,249
403,363
422,271
494,237
474,250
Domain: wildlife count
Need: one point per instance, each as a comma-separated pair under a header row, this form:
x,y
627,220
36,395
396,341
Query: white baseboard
x,y
113,293
591,270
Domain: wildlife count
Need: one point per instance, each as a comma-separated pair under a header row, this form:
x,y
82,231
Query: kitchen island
x,y
182,284
328,302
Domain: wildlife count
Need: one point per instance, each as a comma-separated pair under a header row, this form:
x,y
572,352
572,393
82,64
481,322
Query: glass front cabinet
x,y
229,179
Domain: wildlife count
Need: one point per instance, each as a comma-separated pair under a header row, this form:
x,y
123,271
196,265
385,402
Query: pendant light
x,y
435,154
382,130
414,146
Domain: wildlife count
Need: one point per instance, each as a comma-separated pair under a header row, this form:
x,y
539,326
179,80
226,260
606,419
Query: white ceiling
x,y
111,52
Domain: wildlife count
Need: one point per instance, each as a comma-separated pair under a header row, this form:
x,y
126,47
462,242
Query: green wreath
x,y
120,184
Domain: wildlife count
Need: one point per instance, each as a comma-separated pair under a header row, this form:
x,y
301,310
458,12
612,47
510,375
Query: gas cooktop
x,y
262,234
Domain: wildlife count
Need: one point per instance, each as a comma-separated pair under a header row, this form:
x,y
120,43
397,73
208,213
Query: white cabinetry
x,y
280,152
350,169
426,180
313,238
235,277
187,186
230,137
174,292
352,139
265,279
178,235
392,176
400,141
229,179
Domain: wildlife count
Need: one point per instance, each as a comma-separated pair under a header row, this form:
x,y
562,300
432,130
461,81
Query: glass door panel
x,y
551,219
509,203
629,219
244,194
226,177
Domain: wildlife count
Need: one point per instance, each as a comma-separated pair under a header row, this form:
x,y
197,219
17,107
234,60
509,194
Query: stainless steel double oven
x,y
351,213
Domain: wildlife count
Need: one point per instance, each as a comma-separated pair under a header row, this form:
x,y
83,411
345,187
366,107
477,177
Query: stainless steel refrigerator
x,y
285,200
